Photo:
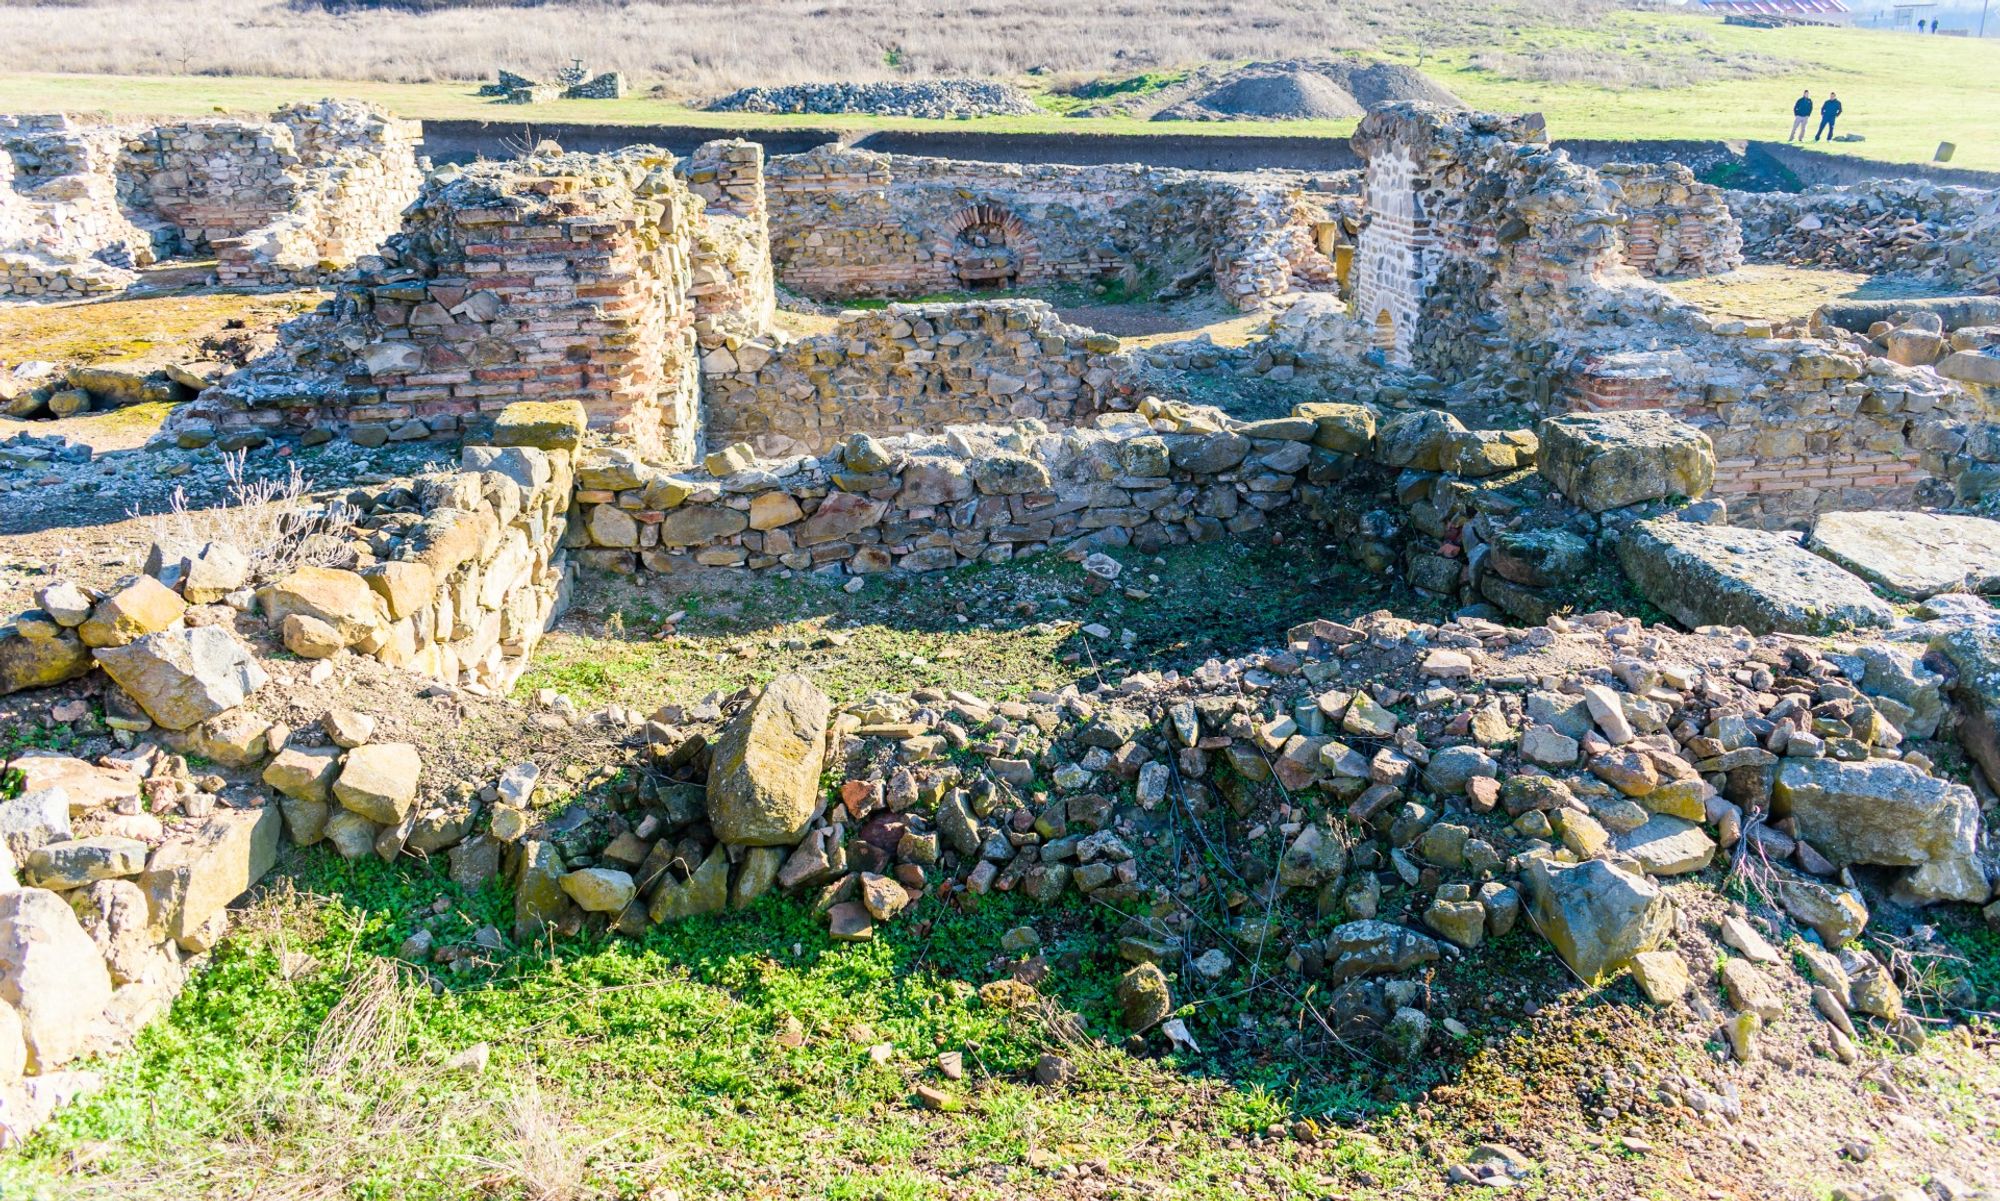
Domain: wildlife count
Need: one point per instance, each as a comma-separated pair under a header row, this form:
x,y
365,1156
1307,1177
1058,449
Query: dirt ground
x,y
1773,292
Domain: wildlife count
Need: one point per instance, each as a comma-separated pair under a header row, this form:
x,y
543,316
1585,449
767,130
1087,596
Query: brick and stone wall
x,y
1674,224
913,368
734,291
852,223
1799,427
557,277
1494,264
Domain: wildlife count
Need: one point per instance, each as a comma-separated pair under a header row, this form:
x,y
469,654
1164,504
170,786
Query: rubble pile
x,y
931,98
1910,228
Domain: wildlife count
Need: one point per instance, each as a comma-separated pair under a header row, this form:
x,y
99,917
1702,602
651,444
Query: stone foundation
x,y
913,368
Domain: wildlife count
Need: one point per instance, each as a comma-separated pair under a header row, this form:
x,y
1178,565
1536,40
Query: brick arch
x,y
1007,230
1013,232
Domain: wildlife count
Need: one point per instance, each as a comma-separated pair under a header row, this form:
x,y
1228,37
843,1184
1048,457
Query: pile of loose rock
x,y
1896,227
933,98
1425,788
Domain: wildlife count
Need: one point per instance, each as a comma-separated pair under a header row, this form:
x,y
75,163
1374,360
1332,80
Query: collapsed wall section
x,y
852,223
283,201
63,231
912,368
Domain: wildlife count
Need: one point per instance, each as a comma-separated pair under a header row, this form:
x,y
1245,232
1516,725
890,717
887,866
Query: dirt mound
x,y
1278,96
1294,90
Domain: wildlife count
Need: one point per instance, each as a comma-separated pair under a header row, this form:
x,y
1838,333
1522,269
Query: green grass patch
x,y
997,629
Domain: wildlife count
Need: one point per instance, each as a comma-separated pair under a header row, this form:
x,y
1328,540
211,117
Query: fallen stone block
x,y
763,782
52,975
1764,582
191,880
184,677
1915,554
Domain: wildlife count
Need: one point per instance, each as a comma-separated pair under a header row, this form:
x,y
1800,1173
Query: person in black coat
x,y
1829,112
1801,117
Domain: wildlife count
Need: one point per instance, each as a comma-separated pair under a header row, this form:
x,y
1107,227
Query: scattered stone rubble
x,y
1909,228
932,98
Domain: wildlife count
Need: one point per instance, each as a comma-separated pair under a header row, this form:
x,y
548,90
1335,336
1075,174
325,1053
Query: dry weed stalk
x,y
273,521
367,1028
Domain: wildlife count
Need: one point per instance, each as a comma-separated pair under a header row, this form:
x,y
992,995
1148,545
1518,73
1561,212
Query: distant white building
x,y
1817,12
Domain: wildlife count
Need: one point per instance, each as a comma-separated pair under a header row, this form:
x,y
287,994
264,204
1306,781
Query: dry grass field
x,y
697,46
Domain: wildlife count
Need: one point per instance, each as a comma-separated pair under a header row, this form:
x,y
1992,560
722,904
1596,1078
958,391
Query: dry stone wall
x,y
458,573
912,368
1674,224
848,223
924,502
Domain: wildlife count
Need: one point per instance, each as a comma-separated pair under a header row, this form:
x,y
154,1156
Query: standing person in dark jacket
x,y
1829,112
1801,117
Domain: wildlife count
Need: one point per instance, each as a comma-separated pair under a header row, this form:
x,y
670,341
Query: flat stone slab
x,y
1764,582
1669,846
1916,554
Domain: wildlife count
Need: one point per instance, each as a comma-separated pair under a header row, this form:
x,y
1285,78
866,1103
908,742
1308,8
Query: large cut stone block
x,y
52,974
546,424
1765,582
1877,811
183,677
191,880
341,599
763,781
1606,461
1916,554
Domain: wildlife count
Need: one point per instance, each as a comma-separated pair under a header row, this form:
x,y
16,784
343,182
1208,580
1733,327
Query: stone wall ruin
x,y
852,223
1674,224
1491,261
290,200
